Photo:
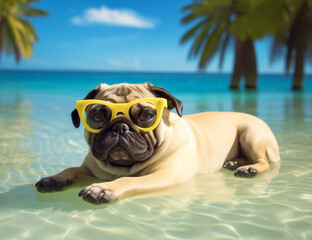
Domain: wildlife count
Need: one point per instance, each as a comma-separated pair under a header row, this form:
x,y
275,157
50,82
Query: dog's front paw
x,y
51,184
231,165
97,194
246,172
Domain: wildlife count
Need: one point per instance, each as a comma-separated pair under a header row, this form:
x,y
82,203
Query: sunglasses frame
x,y
159,103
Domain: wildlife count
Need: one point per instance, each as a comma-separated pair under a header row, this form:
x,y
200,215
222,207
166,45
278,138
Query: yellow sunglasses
x,y
145,113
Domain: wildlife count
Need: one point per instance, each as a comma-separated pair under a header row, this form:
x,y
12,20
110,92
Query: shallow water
x,y
38,139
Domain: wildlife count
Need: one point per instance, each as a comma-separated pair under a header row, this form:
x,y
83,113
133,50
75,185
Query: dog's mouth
x,y
122,144
118,156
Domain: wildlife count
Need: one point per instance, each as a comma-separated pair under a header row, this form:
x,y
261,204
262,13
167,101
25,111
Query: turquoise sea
x,y
37,139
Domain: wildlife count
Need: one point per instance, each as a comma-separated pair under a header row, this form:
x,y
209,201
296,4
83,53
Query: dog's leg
x,y
64,179
166,172
98,193
255,142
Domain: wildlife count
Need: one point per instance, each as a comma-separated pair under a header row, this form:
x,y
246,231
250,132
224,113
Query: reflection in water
x,y
278,109
245,102
16,127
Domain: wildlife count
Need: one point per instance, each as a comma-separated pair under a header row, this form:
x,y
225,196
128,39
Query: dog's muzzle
x,y
122,144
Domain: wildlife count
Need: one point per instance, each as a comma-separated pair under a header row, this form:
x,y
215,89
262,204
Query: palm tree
x,y
219,21
17,35
212,32
297,39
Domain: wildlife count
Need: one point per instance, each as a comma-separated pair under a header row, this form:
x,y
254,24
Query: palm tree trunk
x,y
250,64
301,45
299,68
245,64
238,64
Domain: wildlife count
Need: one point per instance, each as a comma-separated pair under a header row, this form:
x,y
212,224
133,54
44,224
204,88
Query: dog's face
x,y
120,142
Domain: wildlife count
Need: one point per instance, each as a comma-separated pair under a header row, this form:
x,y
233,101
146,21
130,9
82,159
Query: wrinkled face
x,y
120,142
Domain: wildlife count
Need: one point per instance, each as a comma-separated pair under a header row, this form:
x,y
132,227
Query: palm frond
x,y
206,8
189,6
23,38
224,45
29,28
31,12
24,2
191,17
199,40
192,32
17,52
211,45
9,43
289,54
279,43
209,26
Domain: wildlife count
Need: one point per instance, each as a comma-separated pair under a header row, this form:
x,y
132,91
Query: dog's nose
x,y
120,128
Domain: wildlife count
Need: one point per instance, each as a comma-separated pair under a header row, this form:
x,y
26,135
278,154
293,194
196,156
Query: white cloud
x,y
119,17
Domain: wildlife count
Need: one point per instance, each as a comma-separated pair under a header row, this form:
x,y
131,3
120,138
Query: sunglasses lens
x,y
143,114
97,115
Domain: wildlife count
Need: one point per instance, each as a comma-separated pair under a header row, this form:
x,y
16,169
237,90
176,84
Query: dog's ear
x,y
75,115
172,101
75,118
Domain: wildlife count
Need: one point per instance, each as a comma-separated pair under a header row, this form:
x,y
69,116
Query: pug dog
x,y
136,144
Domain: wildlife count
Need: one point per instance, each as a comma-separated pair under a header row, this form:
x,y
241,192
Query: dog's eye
x,y
146,115
143,114
147,118
98,115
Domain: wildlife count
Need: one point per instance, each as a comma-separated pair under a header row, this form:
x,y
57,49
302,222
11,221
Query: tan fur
x,y
195,143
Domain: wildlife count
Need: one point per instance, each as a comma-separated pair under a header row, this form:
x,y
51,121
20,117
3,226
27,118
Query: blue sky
x,y
114,35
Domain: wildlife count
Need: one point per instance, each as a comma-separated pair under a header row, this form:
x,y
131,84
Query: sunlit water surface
x,y
37,139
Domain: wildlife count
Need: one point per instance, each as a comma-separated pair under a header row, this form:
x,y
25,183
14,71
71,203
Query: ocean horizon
x,y
192,81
